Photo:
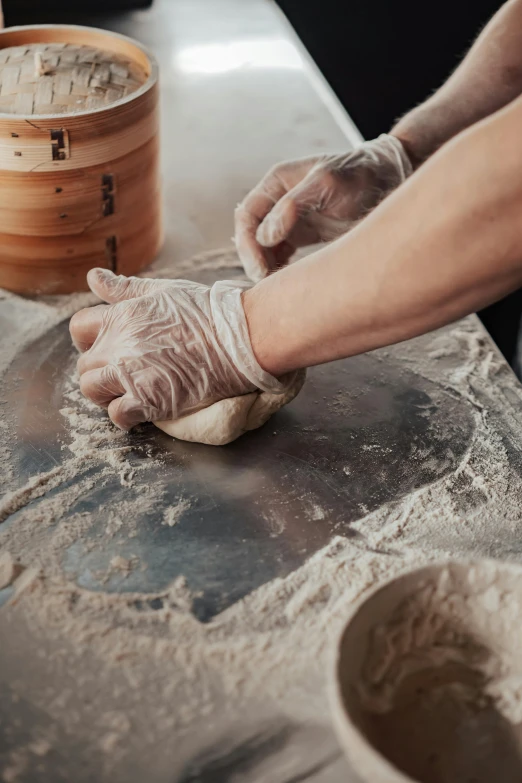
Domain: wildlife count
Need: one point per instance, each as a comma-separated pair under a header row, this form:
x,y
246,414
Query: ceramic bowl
x,y
427,679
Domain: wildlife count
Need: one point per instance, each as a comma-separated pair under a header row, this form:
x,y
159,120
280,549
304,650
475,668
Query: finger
x,y
101,386
256,261
85,325
262,198
279,223
115,288
90,360
127,411
296,205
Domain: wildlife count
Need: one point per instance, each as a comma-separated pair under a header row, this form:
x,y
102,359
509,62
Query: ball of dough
x,y
226,420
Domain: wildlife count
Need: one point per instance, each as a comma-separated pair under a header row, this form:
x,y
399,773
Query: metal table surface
x,y
237,95
258,508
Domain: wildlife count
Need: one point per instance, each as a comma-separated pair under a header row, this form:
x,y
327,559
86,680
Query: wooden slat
x,y
51,59
27,70
49,108
10,77
118,69
62,83
24,87
24,103
69,55
87,55
102,73
95,101
114,93
75,101
44,91
17,51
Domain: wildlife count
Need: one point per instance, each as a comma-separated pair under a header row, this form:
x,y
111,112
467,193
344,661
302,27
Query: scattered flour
x,y
173,514
94,437
123,565
146,652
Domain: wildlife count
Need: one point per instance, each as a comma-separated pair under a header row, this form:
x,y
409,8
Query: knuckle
x,y
117,413
119,285
76,321
80,365
86,385
111,374
246,228
85,362
126,413
274,172
285,167
243,218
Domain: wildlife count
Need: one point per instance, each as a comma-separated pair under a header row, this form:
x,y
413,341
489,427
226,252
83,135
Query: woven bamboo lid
x,y
58,78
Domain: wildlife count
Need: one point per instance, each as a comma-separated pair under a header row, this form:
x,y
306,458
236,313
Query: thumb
x,y
295,205
115,288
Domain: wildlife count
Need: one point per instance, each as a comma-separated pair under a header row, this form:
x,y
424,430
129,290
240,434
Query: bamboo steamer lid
x,y
79,157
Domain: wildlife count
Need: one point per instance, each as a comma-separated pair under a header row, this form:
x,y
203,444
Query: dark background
x,y
381,58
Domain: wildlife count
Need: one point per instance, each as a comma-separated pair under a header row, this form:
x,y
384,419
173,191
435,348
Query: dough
x,y
226,420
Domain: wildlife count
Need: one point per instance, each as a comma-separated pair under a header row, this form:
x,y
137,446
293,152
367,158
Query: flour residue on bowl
x,y
441,693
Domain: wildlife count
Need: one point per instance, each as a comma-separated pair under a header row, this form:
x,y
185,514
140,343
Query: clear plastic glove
x,y
312,200
164,348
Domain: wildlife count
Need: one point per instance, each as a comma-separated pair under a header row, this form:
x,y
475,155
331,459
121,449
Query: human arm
x,y
318,199
445,244
488,78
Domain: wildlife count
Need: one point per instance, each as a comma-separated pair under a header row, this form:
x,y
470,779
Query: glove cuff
x,y
232,333
396,148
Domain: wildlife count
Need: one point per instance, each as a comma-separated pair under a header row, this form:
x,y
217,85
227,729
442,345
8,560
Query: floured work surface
x,y
177,603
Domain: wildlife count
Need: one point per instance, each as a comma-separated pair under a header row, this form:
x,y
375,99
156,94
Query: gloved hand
x,y
312,200
164,348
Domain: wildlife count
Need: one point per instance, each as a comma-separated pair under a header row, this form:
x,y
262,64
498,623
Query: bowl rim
x,y
147,84
346,729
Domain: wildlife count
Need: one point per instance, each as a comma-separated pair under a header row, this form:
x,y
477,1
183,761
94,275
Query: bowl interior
x,y
429,680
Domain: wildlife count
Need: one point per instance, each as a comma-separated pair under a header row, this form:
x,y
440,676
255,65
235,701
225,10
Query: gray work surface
x,y
365,434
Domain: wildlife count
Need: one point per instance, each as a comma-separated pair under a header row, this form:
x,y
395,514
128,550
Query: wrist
x,y
410,149
231,330
266,332
425,129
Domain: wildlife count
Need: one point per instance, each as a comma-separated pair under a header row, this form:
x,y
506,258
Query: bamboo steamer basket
x,y
79,157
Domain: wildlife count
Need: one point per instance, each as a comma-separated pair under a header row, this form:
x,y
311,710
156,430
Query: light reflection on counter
x,y
242,54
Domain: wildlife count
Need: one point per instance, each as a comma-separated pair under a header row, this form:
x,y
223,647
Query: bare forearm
x,y
488,78
445,244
